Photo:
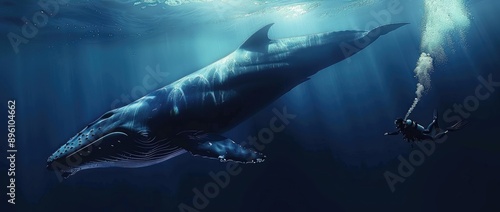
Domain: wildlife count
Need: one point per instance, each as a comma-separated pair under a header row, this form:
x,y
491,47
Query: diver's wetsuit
x,y
413,131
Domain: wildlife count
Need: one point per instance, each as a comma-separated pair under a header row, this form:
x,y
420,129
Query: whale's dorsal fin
x,y
258,39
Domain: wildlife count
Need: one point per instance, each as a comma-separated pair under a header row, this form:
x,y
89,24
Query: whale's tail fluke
x,y
382,30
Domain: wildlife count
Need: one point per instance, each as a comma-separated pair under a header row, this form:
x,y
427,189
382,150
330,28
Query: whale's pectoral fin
x,y
218,147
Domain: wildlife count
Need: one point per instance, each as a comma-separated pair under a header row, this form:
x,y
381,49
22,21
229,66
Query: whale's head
x,y
119,138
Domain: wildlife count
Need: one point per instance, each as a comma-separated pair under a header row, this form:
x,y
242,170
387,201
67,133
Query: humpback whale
x,y
192,113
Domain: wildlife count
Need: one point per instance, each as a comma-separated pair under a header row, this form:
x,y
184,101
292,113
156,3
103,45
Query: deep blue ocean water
x,y
331,157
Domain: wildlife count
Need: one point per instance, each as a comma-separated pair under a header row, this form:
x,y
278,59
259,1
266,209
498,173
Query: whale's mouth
x,y
63,161
87,149
122,148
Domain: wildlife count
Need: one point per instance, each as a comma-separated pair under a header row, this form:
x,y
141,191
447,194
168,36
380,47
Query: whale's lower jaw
x,y
141,163
65,173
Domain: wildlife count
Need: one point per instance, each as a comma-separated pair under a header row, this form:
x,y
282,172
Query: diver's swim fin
x,y
457,126
215,146
435,120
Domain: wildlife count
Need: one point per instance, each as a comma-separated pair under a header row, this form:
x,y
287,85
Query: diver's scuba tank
x,y
410,123
414,124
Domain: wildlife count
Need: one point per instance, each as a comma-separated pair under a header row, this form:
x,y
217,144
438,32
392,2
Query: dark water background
x,y
332,157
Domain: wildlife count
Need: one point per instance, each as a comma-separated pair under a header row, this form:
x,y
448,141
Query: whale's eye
x,y
106,115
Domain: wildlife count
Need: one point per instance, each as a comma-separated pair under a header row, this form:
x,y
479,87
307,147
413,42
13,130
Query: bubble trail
x,y
441,18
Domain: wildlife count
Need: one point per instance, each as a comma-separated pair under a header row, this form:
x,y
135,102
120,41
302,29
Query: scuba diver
x,y
413,131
